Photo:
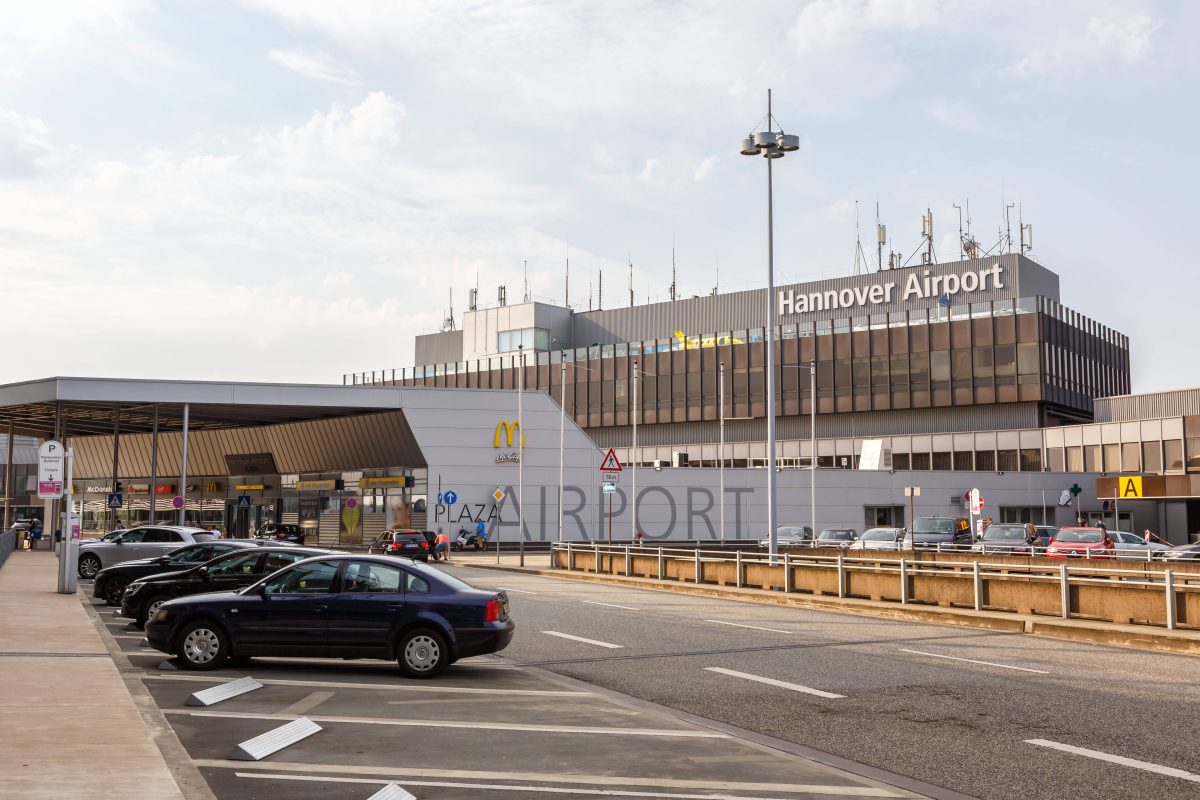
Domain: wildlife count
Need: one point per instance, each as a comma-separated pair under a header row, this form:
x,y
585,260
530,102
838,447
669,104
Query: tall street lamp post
x,y
771,144
633,453
562,427
521,452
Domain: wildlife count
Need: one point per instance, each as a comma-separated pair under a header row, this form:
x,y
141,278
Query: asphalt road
x,y
906,697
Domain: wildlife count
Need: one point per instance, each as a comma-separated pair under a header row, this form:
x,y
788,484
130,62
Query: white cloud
x,y
647,173
1075,47
826,26
966,118
316,66
24,145
37,32
705,168
1128,38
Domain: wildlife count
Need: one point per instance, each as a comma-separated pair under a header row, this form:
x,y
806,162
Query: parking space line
x,y
596,642
795,687
609,605
1112,759
845,791
406,774
973,661
681,733
740,625
424,689
308,703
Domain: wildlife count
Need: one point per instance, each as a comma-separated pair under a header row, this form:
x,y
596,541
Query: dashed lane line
x,y
672,733
609,605
974,661
741,625
1114,759
574,638
844,791
795,687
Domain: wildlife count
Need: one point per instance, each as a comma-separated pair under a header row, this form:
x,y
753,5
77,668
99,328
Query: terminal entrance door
x,y
243,523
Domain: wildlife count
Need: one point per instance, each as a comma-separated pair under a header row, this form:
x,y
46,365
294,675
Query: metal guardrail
x,y
8,543
1071,575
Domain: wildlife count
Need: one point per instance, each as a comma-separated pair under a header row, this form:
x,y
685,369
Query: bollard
x,y
1065,582
738,565
570,558
1169,580
627,561
697,565
596,553
660,564
787,573
904,581
841,576
978,576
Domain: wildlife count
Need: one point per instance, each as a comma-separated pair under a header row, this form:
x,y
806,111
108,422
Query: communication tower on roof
x,y
860,258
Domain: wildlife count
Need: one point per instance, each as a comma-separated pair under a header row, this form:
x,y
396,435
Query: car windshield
x,y
290,530
800,532
835,535
1079,536
194,553
409,537
933,525
879,535
1004,533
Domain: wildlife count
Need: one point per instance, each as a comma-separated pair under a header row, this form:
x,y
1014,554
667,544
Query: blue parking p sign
x,y
114,500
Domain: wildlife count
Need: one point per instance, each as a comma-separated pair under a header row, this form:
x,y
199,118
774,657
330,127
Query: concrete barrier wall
x,y
1006,583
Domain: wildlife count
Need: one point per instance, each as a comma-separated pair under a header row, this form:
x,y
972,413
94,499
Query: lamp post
x,y
771,145
811,366
521,452
562,426
633,453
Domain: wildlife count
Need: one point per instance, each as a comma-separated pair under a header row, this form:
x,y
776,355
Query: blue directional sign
x,y
115,500
243,501
449,498
610,488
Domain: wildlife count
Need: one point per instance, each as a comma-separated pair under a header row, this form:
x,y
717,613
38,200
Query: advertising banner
x,y
350,521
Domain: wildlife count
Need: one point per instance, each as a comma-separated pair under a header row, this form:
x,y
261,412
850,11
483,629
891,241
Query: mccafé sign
x,y
916,287
505,430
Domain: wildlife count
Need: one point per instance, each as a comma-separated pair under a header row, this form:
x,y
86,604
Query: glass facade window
x,y
985,460
1151,456
942,461
528,338
1007,461
920,461
1091,458
900,461
964,461
1193,454
1112,458
1031,460
1131,457
1055,459
1074,459
1173,454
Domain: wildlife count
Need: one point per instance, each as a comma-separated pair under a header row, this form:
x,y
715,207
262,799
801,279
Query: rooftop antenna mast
x,y
448,323
473,296
961,250
567,285
600,290
526,281
860,258
1008,228
927,234
1026,232
673,285
631,280
880,240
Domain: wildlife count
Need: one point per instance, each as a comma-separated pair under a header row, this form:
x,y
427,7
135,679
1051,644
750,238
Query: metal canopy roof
x,y
90,406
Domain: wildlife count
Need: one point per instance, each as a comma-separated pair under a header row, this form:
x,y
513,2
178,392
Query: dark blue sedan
x,y
343,606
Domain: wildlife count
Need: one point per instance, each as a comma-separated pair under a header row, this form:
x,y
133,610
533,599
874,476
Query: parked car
x,y
144,542
1183,552
934,531
1015,538
282,531
111,581
1081,543
229,571
407,543
836,537
348,606
1045,535
790,536
1130,545
879,539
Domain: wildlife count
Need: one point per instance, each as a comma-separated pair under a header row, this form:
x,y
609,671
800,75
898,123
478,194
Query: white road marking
x,y
306,704
381,686
681,733
973,661
1122,760
404,774
740,625
518,591
596,642
610,605
848,791
795,687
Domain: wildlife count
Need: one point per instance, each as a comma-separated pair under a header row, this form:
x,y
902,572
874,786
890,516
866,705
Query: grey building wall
x,y
439,348
1174,403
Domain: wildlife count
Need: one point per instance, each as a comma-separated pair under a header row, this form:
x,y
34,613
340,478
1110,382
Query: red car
x,y
1080,543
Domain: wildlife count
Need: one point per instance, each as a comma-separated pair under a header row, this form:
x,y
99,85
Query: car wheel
x,y
202,646
89,565
422,653
114,589
152,606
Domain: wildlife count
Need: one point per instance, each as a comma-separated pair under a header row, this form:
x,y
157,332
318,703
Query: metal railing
x,y
1036,551
917,580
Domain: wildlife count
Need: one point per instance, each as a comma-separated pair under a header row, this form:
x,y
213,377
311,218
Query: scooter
x,y
467,539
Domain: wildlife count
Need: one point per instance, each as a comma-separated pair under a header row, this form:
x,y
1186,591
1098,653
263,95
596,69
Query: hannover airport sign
x,y
916,287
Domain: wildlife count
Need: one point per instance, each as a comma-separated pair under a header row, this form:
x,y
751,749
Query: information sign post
x,y
68,554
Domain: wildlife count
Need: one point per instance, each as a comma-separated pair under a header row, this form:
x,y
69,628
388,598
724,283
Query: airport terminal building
x,y
953,376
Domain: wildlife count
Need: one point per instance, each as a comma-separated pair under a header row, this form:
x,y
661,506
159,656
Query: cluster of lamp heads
x,y
770,144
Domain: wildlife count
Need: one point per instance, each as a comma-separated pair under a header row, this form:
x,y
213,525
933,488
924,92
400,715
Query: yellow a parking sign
x,y
1129,487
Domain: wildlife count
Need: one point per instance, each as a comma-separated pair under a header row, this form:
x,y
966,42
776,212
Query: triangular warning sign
x,y
610,462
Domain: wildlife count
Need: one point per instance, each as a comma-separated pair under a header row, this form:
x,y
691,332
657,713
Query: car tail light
x,y
491,612
424,545
393,546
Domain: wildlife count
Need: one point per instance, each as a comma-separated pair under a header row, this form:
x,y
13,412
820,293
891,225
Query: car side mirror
x,y
202,572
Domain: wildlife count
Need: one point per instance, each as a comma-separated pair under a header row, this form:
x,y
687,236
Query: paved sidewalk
x,y
70,726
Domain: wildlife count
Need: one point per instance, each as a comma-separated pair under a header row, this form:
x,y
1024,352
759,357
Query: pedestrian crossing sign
x,y
610,463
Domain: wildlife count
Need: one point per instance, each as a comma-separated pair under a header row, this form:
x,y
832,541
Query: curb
x,y
1080,631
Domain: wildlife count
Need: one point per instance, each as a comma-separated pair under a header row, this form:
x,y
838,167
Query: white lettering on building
x,y
916,287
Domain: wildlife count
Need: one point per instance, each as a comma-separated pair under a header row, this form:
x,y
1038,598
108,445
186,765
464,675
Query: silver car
x,y
1130,545
879,539
146,542
791,536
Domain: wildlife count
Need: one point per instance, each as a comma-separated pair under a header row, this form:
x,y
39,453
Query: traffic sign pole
x,y
68,554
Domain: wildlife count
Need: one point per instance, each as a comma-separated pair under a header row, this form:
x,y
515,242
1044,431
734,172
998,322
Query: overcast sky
x,y
289,189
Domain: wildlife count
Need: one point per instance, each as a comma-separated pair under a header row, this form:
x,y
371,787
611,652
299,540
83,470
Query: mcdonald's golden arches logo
x,y
507,428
